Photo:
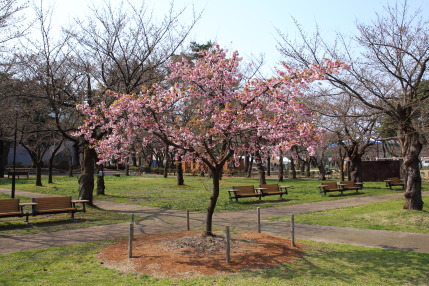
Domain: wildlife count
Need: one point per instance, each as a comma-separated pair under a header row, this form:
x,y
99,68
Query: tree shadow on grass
x,y
348,194
41,225
329,264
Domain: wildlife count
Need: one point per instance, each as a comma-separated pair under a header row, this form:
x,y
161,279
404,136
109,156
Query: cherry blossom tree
x,y
390,58
209,113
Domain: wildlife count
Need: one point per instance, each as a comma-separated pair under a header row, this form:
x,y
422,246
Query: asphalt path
x,y
165,220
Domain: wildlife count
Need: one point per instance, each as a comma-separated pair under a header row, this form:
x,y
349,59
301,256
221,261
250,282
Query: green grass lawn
x,y
383,216
194,195
92,217
322,264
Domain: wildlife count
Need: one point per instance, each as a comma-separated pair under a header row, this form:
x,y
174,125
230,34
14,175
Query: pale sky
x,y
249,26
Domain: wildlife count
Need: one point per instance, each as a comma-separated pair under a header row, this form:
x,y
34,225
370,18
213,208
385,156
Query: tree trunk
x,y
246,163
86,180
341,165
127,168
355,168
322,172
308,170
261,169
268,166
216,174
301,167
39,173
1,159
165,175
249,169
50,170
51,162
281,168
180,180
4,154
411,148
36,158
292,167
101,186
70,166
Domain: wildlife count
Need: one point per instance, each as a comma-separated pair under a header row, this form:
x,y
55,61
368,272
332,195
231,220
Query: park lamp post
x,y
14,155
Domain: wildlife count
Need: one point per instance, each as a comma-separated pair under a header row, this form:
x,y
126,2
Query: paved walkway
x,y
164,220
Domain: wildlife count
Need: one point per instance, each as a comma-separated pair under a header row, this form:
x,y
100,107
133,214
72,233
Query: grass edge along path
x,y
94,216
387,215
323,264
194,195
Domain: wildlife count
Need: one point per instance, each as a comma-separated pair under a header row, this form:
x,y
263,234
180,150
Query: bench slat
x,y
9,205
243,191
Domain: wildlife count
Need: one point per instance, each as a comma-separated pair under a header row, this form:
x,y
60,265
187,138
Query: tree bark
x,y
261,169
246,163
281,169
308,169
411,148
4,154
216,174
268,166
355,168
292,168
180,180
86,180
341,165
70,166
322,172
249,169
36,156
127,168
51,162
39,174
101,186
166,163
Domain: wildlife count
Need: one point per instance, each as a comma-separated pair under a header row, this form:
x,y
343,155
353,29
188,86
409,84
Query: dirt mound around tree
x,y
190,254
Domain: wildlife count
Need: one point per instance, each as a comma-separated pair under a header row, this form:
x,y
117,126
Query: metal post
x,y
292,230
130,242
258,211
188,226
228,245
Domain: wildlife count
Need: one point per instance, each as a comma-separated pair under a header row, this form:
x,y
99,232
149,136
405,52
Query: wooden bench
x,y
329,187
243,192
273,189
11,208
18,173
395,181
349,185
54,205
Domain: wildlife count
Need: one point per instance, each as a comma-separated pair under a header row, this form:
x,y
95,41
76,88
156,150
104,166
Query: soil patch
x,y
189,254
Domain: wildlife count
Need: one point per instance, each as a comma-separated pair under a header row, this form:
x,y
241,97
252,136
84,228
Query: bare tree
x,y
390,59
11,21
353,127
10,28
123,49
126,46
